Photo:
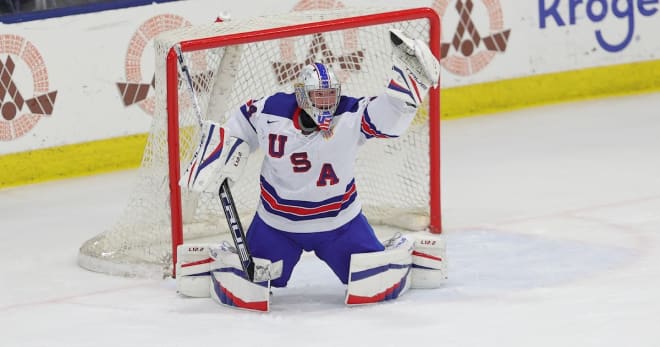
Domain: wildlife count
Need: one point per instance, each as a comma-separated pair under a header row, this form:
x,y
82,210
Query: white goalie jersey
x,y
307,181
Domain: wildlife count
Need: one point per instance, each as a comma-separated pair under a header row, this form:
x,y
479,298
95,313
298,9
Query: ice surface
x,y
552,217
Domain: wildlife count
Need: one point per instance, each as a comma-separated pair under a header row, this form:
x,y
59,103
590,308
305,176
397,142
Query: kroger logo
x,y
596,11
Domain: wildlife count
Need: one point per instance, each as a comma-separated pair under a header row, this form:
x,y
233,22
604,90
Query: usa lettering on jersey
x,y
307,182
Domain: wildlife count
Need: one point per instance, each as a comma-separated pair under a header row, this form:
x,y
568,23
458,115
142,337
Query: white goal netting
x,y
392,175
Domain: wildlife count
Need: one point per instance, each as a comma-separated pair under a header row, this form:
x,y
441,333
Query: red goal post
x,y
435,225
398,180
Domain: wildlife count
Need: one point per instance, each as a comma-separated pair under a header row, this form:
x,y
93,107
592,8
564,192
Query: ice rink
x,y
552,217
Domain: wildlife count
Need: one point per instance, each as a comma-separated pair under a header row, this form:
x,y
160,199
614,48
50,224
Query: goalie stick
x,y
236,230
226,200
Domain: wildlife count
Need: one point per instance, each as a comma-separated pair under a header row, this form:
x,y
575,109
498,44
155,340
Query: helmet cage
x,y
315,78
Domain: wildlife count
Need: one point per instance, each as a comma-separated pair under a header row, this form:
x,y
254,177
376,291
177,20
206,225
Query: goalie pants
x,y
334,247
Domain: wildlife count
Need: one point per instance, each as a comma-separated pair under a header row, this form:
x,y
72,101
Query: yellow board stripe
x,y
505,95
72,160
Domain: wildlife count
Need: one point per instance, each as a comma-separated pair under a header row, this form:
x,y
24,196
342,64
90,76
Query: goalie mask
x,y
317,92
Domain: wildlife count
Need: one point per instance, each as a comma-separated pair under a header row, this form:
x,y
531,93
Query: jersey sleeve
x,y
241,123
385,117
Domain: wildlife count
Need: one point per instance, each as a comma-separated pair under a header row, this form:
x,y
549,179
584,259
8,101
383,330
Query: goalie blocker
x,y
218,157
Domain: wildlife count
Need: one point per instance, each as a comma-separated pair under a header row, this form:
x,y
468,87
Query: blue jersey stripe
x,y
302,203
287,205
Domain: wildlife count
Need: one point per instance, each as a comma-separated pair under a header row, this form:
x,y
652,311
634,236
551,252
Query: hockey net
x,y
238,60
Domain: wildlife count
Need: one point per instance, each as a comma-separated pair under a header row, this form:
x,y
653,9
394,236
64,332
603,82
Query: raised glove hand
x,y
414,69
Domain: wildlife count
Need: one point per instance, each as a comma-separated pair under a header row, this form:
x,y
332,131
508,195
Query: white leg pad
x,y
380,276
230,286
429,267
192,270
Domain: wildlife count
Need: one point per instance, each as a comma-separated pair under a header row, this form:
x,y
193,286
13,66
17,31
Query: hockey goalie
x,y
309,201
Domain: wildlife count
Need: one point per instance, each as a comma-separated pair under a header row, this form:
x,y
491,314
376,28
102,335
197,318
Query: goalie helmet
x,y
317,92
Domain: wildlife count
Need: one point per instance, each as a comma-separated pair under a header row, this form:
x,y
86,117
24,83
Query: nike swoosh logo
x,y
271,121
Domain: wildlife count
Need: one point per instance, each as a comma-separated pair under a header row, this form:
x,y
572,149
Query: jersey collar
x,y
296,121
